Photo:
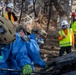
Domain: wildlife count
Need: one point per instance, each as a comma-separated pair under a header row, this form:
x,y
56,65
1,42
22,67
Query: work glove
x,y
26,70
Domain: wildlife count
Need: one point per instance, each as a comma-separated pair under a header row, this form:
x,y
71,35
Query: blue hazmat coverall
x,y
15,56
33,51
18,54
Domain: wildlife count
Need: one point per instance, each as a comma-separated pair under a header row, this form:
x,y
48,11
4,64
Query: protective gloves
x,y
26,70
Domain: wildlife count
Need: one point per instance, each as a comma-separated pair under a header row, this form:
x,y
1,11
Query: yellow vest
x,y
74,27
6,16
67,41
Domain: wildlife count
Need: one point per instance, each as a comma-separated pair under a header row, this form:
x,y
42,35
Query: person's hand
x,y
73,47
15,24
63,36
26,70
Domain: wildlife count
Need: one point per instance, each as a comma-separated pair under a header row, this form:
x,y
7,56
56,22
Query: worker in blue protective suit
x,y
37,38
38,35
15,56
13,51
33,49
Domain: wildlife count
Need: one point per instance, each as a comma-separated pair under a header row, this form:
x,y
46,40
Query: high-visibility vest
x,y
6,16
74,26
67,41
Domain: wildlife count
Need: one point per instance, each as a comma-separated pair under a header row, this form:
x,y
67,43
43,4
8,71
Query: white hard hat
x,y
10,5
64,22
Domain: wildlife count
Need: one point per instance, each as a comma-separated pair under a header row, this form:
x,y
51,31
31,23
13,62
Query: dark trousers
x,y
64,49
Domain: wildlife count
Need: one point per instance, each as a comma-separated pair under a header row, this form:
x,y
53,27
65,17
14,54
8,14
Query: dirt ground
x,y
51,48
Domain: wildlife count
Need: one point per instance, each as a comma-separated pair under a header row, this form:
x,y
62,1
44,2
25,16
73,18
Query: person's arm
x,y
33,51
24,61
60,37
15,18
19,51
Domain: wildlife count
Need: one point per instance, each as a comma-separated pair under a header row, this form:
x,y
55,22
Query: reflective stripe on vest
x,y
6,16
66,41
74,26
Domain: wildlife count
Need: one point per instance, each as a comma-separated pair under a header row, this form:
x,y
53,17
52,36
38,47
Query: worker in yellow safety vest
x,y
66,38
73,26
9,14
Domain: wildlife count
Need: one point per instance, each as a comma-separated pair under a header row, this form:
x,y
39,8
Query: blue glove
x,y
26,70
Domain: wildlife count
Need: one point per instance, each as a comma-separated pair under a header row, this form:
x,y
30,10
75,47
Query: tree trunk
x,y
59,7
